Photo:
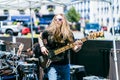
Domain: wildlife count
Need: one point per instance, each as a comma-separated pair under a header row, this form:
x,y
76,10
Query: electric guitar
x,y
45,60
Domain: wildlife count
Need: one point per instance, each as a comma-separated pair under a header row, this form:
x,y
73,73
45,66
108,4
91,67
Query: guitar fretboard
x,y
62,49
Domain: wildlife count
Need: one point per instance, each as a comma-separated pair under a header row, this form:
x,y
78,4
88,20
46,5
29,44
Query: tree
x,y
72,15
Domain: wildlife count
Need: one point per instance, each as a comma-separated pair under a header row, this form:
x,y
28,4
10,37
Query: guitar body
x,y
46,60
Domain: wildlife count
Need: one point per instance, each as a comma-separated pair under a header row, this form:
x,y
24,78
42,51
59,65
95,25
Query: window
x,y
98,9
117,8
113,8
88,10
21,12
6,12
50,8
113,20
107,20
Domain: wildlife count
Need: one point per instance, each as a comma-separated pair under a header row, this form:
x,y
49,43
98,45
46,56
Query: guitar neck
x,y
67,47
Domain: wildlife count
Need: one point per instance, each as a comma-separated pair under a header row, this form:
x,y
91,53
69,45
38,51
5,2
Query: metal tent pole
x,y
114,43
31,26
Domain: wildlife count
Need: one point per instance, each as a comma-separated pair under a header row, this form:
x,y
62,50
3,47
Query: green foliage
x,y
72,15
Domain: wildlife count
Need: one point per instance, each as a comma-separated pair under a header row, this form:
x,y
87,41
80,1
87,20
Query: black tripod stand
x,y
28,71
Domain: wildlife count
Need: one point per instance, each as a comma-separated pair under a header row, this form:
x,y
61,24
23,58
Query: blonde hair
x,y
63,33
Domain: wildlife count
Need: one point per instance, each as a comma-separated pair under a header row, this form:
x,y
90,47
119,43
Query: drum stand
x,y
30,74
15,65
16,72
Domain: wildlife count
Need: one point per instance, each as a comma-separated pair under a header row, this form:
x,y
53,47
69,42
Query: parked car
x,y
10,29
37,29
40,28
116,29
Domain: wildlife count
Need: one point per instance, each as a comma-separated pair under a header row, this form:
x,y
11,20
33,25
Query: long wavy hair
x,y
60,34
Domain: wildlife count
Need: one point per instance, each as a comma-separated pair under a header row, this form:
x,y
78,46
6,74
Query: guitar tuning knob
x,y
101,34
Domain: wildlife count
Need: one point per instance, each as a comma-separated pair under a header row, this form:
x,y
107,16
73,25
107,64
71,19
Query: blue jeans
x,y
59,72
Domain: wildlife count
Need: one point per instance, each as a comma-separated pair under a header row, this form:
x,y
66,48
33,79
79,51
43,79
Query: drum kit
x,y
14,65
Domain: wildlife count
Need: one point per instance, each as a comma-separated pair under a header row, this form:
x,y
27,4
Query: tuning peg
x,y
101,34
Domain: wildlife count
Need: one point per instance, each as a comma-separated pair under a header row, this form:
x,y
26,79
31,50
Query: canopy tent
x,y
19,4
25,4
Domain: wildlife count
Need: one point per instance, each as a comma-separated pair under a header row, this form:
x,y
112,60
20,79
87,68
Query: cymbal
x,y
32,59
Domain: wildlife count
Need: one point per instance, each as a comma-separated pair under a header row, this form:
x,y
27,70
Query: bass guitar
x,y
45,60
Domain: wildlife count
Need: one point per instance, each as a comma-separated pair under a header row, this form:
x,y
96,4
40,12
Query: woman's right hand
x,y
44,50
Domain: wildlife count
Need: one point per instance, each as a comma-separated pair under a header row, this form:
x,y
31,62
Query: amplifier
x,y
77,72
76,68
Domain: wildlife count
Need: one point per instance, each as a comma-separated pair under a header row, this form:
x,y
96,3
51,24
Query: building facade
x,y
102,12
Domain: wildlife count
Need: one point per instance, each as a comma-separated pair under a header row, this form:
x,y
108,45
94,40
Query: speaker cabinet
x,y
94,55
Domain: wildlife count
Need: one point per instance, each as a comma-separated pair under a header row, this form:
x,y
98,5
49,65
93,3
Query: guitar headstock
x,y
95,35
